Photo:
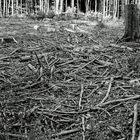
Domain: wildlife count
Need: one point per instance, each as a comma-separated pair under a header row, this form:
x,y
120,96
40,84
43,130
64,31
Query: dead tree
x,y
132,19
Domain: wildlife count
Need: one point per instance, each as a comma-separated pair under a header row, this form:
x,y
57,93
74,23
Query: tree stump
x,y
132,20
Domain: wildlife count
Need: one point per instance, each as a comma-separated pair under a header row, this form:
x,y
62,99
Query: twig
x,y
14,135
81,94
118,100
108,91
64,133
39,62
134,121
122,47
14,51
83,127
82,66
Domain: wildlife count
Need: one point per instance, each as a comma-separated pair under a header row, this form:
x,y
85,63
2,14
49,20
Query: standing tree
x,y
132,19
0,9
17,7
57,6
61,6
72,5
12,7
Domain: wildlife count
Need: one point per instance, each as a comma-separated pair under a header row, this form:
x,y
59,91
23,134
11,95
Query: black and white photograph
x,y
69,69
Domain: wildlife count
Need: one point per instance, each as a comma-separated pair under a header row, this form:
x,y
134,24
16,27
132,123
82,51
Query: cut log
x,y
132,20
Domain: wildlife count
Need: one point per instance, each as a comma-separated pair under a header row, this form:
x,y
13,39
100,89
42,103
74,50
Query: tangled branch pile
x,y
66,85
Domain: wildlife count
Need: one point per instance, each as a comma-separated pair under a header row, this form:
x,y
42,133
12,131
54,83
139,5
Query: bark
x,y
72,5
6,8
12,7
106,11
61,6
17,7
115,9
103,8
132,19
77,6
21,6
95,6
57,6
47,6
0,9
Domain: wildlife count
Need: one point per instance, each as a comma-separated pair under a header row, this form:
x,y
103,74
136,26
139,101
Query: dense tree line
x,y
114,8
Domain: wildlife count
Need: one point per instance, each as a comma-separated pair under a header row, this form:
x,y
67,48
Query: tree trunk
x,y
47,6
6,8
12,7
132,18
0,9
115,9
103,8
61,6
77,6
95,6
17,7
72,5
21,6
57,6
87,5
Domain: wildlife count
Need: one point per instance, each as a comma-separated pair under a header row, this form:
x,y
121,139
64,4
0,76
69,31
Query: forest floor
x,y
68,80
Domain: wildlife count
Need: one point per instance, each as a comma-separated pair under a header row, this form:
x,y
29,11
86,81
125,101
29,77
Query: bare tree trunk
x,y
12,7
115,9
6,8
103,8
106,11
41,5
57,6
0,9
17,7
72,5
109,9
77,6
87,5
35,6
122,8
132,19
118,9
61,6
26,4
95,6
46,6
21,5
9,4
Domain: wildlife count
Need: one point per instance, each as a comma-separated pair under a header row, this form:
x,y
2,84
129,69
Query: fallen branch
x,y
64,133
118,101
81,94
134,121
122,47
14,135
108,91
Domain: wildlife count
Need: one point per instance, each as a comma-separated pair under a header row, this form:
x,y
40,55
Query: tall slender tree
x,y
12,7
0,9
57,6
61,6
72,5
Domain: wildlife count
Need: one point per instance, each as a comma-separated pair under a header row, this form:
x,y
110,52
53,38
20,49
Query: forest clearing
x,y
68,78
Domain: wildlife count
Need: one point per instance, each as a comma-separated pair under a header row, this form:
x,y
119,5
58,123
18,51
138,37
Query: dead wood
x,y
67,83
